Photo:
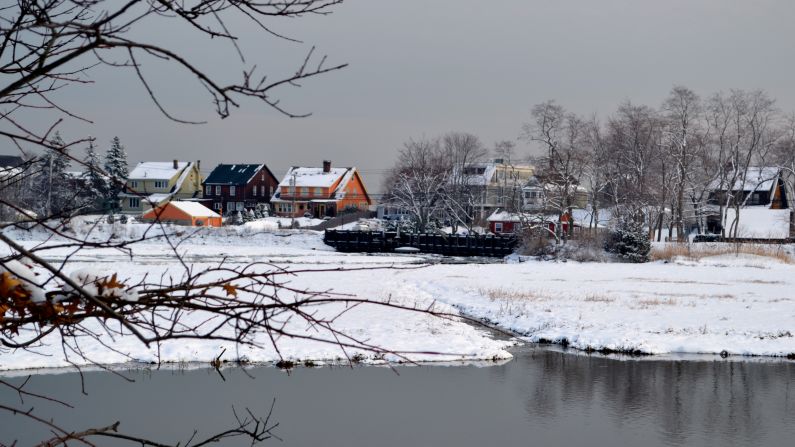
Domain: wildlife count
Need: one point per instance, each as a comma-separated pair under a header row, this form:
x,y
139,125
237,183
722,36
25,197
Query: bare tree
x,y
681,111
562,135
418,181
742,132
633,134
460,196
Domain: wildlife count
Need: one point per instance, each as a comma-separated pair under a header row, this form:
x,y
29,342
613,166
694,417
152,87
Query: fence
x,y
443,244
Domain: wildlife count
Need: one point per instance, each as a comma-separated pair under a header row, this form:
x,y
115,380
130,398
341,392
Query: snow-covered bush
x,y
630,242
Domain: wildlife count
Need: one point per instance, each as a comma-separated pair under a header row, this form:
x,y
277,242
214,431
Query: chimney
x,y
176,164
326,165
198,165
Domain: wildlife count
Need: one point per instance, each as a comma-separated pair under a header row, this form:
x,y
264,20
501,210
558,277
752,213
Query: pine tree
x,y
95,184
630,241
117,170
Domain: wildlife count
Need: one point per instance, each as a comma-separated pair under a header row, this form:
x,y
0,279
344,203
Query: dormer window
x,y
160,183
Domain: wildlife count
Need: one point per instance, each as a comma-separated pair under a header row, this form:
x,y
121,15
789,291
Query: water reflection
x,y
543,397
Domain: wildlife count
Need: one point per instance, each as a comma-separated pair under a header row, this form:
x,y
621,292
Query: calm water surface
x,y
541,398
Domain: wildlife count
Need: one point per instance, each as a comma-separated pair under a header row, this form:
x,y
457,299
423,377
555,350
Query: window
x,y
217,205
133,184
270,190
160,183
318,191
218,190
134,202
232,191
498,227
262,189
255,191
209,190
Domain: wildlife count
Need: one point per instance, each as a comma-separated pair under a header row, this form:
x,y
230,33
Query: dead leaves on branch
x,y
18,308
68,307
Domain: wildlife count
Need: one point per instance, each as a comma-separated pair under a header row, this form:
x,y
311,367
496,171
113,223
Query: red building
x,y
239,187
504,222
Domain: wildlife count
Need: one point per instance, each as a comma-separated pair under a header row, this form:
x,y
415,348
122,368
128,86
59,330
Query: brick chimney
x,y
176,164
326,165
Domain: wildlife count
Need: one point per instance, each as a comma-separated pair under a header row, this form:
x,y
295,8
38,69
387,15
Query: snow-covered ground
x,y
741,305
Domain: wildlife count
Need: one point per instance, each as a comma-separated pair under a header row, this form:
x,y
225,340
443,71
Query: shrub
x,y
630,242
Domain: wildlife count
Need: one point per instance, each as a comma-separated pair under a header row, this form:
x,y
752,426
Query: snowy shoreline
x,y
743,307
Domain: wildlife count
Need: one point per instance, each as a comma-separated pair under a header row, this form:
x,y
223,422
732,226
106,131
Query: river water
x,y
543,397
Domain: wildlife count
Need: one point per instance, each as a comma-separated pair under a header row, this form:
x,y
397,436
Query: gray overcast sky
x,y
422,68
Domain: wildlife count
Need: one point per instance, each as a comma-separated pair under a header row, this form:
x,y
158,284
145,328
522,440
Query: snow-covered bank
x,y
741,305
726,304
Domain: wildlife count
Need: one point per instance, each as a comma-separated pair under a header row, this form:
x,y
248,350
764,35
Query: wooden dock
x,y
443,244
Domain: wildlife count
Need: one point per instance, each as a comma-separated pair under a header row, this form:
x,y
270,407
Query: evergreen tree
x,y
630,241
117,170
95,184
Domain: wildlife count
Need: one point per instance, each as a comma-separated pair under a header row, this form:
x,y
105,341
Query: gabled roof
x,y
236,174
157,170
193,208
10,161
313,177
316,178
758,178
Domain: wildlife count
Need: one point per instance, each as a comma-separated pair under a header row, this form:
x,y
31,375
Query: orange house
x,y
191,214
320,192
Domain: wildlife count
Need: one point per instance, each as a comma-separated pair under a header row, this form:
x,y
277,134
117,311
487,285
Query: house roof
x,y
157,170
485,172
195,209
313,177
10,161
316,178
579,216
757,178
234,174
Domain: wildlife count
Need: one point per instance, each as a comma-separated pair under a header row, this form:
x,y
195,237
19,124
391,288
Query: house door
x,y
320,211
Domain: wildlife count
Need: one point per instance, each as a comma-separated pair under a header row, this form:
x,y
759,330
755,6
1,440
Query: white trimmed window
x,y
217,190
134,202
498,227
217,205
133,184
160,183
232,191
209,190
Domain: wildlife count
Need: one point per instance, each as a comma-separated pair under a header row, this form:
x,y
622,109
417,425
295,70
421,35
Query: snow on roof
x,y
756,179
339,194
156,170
579,216
233,174
504,216
195,209
480,179
157,198
313,177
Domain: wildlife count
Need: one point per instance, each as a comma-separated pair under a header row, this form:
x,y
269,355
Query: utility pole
x,y
292,194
